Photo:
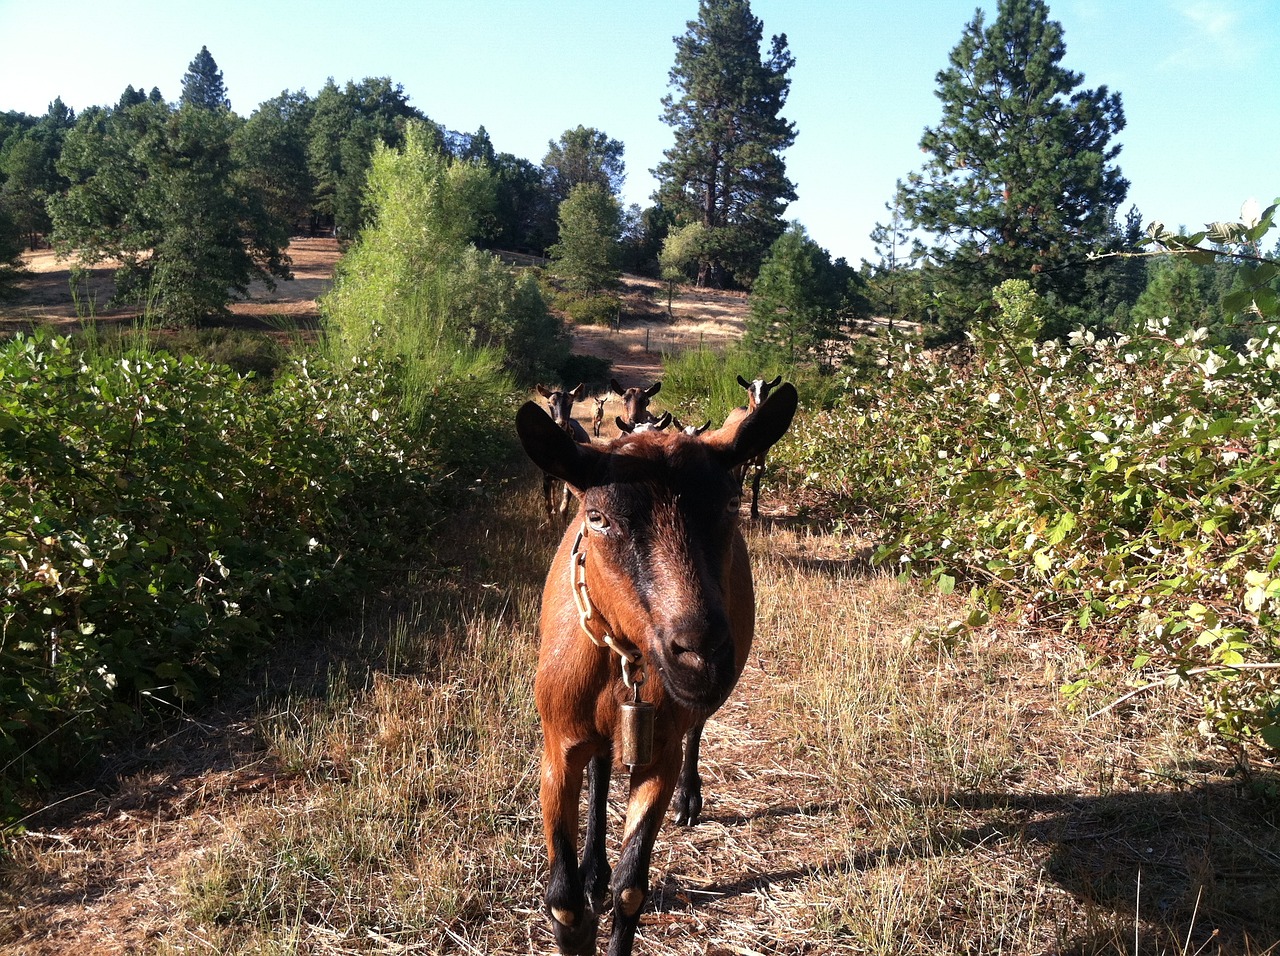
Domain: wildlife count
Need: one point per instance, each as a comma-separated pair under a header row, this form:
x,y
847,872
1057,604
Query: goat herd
x,y
648,614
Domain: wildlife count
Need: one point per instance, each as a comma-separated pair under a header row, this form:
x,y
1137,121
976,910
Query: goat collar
x,y
632,674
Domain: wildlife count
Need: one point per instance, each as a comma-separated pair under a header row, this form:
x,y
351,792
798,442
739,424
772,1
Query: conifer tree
x,y
1020,181
726,169
202,85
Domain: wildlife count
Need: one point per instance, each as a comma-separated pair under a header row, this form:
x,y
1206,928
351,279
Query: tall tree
x,y
202,85
348,123
797,300
29,174
726,169
270,151
1020,180
586,257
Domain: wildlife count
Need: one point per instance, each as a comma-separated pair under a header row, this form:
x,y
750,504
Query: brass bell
x,y
637,733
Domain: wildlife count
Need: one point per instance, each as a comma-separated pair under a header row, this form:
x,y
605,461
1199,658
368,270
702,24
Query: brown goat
x,y
598,419
649,598
635,401
560,408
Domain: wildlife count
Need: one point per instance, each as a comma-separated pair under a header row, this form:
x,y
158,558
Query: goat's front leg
x,y
573,923
688,796
651,789
757,472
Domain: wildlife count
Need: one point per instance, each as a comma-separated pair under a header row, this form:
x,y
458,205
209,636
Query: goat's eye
x,y
596,520
734,504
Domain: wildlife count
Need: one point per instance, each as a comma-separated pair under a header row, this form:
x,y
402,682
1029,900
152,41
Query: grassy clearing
x,y
871,789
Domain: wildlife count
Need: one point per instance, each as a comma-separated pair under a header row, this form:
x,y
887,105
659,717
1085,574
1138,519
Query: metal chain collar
x,y
632,673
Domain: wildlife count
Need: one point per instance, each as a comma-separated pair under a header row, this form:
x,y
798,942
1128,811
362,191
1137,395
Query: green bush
x,y
162,521
1124,487
592,310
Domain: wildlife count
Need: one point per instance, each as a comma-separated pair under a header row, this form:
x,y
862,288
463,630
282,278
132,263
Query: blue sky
x,y
1199,80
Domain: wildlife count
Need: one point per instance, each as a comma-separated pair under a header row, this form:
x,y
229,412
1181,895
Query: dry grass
x,y
870,789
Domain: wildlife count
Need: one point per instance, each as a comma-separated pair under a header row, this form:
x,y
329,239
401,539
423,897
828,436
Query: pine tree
x,y
796,300
202,85
726,169
1019,182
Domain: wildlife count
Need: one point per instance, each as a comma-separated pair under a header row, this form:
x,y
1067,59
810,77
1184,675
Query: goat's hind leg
x,y
688,795
595,872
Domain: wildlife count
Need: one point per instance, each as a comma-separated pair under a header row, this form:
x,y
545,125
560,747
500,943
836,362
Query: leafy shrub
x,y
592,310
1124,487
161,521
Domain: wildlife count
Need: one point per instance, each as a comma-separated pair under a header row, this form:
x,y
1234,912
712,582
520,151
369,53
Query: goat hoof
x,y
574,936
688,806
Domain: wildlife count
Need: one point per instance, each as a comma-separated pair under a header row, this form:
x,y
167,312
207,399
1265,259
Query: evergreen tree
x,y
346,126
29,174
586,257
797,300
202,85
523,218
726,169
1019,180
11,269
270,151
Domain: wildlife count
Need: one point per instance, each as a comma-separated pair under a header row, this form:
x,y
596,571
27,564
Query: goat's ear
x,y
618,389
662,422
758,431
624,425
653,389
775,383
544,391
554,451
704,427
743,382
578,392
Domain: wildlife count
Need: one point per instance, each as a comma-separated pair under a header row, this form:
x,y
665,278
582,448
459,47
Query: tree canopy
x,y
583,155
725,169
156,189
797,300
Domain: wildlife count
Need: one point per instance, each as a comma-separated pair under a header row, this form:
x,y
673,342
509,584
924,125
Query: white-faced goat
x,y
654,425
757,391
